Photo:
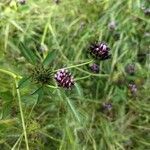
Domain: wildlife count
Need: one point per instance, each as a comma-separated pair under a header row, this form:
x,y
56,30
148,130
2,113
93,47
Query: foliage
x,y
40,37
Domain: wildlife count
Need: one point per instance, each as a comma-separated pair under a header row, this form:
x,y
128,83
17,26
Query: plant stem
x,y
22,115
14,76
85,63
8,73
82,78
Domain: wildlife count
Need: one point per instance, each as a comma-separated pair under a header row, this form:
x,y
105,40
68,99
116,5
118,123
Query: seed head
x,y
64,78
41,75
100,50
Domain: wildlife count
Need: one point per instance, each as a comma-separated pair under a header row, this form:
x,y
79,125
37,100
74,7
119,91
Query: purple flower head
x,y
107,106
100,50
132,88
22,2
95,68
130,69
64,78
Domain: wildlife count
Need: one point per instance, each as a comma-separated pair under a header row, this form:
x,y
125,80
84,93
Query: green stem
x,y
85,63
51,86
8,73
15,77
22,115
14,147
77,79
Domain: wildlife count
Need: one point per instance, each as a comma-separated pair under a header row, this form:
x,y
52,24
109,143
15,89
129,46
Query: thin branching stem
x,y
15,77
74,66
22,115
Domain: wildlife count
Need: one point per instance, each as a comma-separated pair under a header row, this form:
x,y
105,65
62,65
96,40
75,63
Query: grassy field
x,y
104,104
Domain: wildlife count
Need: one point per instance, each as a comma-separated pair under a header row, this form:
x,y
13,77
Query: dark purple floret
x,y
95,68
22,2
64,78
130,69
132,88
100,50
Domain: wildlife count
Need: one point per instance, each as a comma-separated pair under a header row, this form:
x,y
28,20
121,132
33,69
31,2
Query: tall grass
x,y
42,117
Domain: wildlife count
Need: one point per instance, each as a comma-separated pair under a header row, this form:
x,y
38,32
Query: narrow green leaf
x,y
17,26
49,58
73,110
40,95
37,91
23,82
28,54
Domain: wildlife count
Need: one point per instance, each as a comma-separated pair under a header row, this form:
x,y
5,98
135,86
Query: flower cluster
x,y
100,50
64,78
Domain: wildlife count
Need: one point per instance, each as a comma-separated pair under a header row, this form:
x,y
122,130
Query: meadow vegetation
x,y
100,101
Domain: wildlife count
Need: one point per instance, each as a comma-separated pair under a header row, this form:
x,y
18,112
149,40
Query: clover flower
x,y
64,78
100,50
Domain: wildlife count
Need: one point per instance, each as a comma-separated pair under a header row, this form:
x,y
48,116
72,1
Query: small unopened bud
x,y
22,2
130,69
133,88
147,12
43,48
112,25
95,68
107,106
57,1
